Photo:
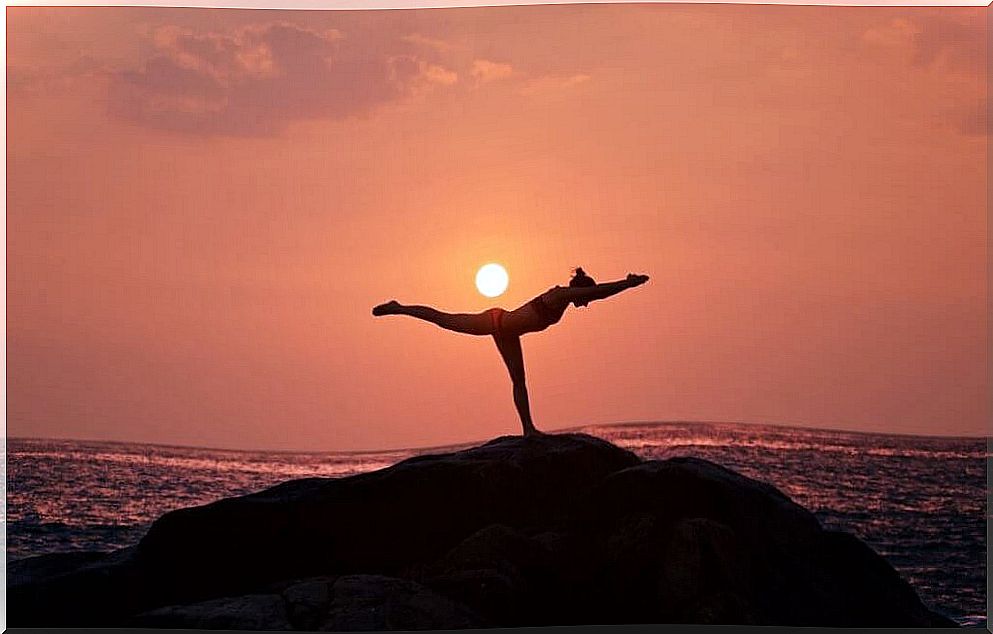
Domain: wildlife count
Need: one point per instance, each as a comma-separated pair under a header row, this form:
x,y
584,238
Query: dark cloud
x,y
972,118
257,80
951,46
957,48
957,45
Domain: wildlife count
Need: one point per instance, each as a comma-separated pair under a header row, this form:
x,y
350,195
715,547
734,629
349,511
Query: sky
x,y
204,205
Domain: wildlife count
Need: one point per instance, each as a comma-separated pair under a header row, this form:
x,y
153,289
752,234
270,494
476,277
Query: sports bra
x,y
547,313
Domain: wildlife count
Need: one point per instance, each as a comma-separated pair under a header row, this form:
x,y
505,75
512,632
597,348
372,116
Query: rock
x,y
364,603
494,595
740,549
631,561
497,546
549,530
35,569
875,597
308,602
103,590
497,571
690,487
704,577
376,522
249,612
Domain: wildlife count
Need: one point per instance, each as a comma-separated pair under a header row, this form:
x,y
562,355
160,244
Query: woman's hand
x,y
636,280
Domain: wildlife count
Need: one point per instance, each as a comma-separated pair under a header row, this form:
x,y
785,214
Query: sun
x,y
492,279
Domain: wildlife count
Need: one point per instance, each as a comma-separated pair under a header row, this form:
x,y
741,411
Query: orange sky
x,y
203,205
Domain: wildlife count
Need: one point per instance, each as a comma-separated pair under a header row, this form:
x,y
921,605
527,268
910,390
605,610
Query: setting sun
x,y
491,280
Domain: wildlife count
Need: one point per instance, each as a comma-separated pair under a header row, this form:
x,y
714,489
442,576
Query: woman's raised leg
x,y
510,349
470,324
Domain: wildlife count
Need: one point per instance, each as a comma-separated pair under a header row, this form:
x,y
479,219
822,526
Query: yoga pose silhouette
x,y
506,327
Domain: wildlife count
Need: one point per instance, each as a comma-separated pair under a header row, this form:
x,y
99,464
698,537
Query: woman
x,y
506,327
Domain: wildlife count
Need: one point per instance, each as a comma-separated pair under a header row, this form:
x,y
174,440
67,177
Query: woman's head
x,y
579,279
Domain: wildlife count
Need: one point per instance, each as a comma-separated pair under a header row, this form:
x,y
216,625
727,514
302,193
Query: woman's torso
x,y
538,313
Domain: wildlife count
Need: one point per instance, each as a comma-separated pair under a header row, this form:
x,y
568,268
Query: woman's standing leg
x,y
510,349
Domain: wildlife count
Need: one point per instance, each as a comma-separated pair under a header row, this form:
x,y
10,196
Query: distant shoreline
x,y
453,446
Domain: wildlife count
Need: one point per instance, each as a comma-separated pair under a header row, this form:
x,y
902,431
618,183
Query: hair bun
x,y
580,278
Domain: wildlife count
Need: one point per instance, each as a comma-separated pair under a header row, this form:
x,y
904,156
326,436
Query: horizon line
x,y
987,437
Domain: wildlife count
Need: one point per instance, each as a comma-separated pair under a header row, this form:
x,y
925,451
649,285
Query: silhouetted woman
x,y
506,327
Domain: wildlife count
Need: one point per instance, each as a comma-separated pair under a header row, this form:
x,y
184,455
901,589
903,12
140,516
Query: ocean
x,y
918,501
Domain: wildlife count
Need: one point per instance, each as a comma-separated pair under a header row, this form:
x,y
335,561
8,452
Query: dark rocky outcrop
x,y
549,530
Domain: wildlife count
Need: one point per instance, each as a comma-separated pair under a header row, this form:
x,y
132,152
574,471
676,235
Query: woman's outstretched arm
x,y
584,294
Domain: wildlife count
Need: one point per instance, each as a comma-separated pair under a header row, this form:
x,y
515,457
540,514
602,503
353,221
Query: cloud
x,y
950,43
954,45
552,83
257,80
952,49
971,118
895,34
955,49
435,74
485,71
437,45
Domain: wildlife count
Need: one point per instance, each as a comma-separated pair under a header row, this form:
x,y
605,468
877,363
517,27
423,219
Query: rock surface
x,y
550,530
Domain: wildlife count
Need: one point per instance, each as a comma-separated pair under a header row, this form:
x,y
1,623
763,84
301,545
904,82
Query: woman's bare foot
x,y
389,308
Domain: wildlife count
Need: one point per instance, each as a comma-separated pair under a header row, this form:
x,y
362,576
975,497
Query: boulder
x,y
498,571
249,612
307,602
367,603
548,530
